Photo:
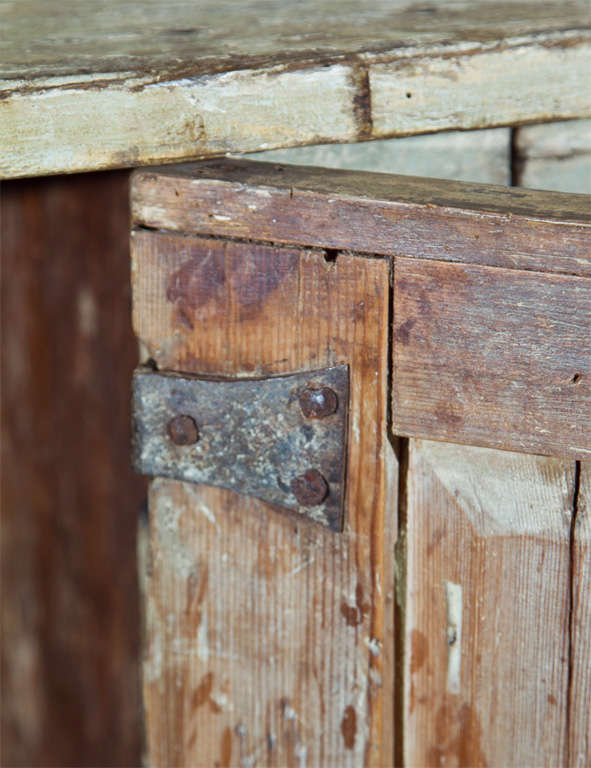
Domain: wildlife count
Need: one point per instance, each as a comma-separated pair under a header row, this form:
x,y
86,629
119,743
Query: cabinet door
x,y
442,622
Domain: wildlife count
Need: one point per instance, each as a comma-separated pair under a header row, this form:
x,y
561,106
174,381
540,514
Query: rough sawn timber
x,y
369,212
269,638
486,658
86,86
492,357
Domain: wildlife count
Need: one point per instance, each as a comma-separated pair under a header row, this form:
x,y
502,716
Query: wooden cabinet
x,y
445,623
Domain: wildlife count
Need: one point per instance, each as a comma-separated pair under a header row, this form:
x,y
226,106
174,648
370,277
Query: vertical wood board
x,y
269,639
486,607
579,708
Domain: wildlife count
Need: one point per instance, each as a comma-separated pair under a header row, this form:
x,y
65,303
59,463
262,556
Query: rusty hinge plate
x,y
281,439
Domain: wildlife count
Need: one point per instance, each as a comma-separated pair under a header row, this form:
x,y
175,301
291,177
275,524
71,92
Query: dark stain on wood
x,y
468,742
458,734
435,540
445,415
200,695
226,748
197,282
419,650
349,727
253,278
355,614
404,329
362,101
418,654
204,282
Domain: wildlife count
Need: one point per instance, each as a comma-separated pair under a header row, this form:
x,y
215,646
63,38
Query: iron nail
x,y
318,403
310,489
182,430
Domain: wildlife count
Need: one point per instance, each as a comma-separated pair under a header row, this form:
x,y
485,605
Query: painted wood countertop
x,y
86,85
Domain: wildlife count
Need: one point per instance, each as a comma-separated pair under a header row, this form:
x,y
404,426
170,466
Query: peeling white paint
x,y
453,634
374,645
202,639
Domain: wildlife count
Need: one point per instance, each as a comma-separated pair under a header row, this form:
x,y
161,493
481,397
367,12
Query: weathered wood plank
x,y
579,705
369,212
269,638
486,607
492,357
477,89
129,83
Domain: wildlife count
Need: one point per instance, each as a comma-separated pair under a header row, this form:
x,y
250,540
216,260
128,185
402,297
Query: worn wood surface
x,y
269,638
492,357
579,704
69,499
369,212
558,157
87,86
486,660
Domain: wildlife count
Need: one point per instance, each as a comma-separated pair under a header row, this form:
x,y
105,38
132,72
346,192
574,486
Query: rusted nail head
x,y
310,489
182,430
318,403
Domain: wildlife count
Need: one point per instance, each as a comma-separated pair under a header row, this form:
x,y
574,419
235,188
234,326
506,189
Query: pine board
x,y
269,638
486,658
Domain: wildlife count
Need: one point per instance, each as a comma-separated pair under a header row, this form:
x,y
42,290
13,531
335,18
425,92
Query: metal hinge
x,y
281,439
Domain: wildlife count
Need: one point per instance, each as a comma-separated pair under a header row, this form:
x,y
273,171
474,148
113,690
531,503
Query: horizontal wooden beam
x,y
128,82
369,212
492,357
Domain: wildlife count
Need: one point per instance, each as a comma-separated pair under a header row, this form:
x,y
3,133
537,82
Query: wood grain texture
x,y
486,606
579,705
89,86
69,603
492,357
558,156
369,212
269,639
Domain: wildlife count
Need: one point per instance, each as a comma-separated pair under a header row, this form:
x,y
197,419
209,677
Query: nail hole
x,y
576,378
330,255
408,95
